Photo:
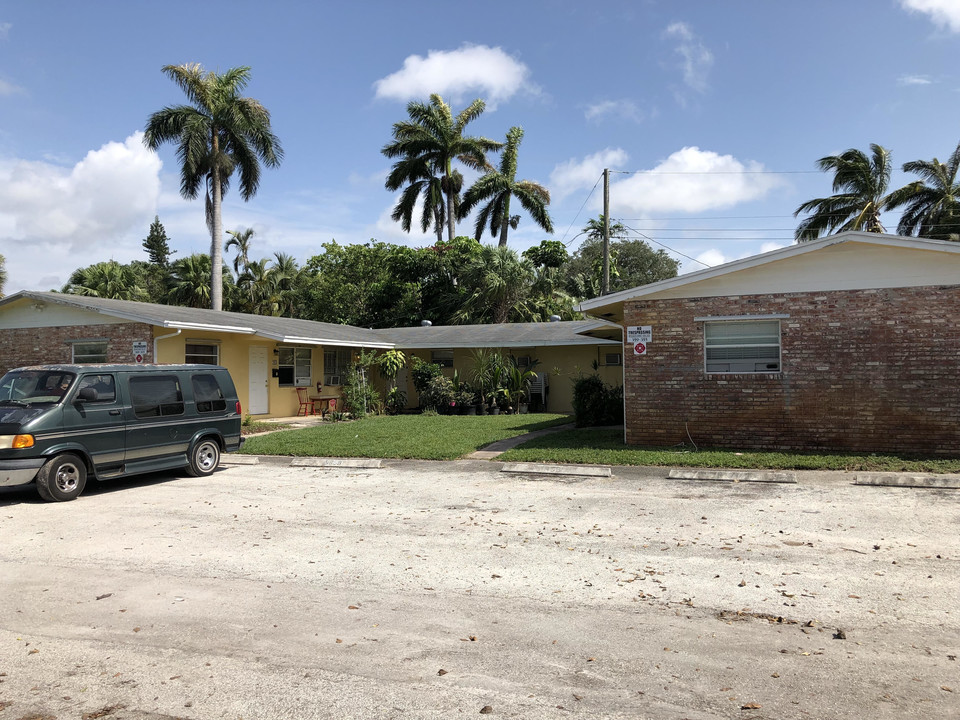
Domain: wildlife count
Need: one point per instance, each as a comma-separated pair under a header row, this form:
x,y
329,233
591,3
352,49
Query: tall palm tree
x,y
190,281
426,146
860,185
242,241
932,204
497,187
285,273
219,133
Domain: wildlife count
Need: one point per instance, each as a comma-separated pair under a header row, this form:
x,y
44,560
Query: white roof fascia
x,y
297,340
419,345
208,327
768,257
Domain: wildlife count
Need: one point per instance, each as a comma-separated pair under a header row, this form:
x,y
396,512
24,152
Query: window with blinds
x,y
742,346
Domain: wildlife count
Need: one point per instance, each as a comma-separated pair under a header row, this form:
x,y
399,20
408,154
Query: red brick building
x,y
850,343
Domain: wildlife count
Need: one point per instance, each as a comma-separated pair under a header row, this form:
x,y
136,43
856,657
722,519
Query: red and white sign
x,y
139,359
640,336
640,349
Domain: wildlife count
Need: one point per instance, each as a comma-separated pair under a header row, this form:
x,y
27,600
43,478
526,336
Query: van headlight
x,y
15,442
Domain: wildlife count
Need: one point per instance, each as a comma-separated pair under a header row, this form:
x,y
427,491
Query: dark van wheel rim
x,y
208,457
68,478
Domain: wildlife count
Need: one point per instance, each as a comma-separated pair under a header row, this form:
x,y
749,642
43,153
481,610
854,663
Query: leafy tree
x,y
860,194
931,204
157,244
426,146
355,285
109,279
632,263
219,133
286,274
497,187
549,253
3,273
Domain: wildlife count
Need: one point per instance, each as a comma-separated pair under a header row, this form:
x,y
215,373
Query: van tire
x,y
62,478
204,458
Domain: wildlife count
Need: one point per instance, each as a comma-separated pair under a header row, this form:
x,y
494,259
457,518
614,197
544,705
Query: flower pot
x,y
471,410
524,408
494,410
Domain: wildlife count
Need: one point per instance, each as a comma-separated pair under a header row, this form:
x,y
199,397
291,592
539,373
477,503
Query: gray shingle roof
x,y
172,316
540,334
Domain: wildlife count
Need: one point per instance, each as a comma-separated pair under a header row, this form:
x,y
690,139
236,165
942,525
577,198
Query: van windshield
x,y
35,387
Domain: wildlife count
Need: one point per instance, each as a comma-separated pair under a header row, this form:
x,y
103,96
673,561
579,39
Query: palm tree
x,y
498,186
860,184
190,281
242,241
285,274
932,204
426,145
219,133
498,284
109,280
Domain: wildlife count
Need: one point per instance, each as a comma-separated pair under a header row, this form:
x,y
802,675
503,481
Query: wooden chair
x,y
306,404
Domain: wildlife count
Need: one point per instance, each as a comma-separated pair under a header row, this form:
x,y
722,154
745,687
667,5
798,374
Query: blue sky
x,y
711,113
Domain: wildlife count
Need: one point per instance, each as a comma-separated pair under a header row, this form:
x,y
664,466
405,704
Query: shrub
x,y
596,403
358,394
438,395
421,373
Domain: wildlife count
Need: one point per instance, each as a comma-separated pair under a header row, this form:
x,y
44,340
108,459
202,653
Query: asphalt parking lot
x,y
439,590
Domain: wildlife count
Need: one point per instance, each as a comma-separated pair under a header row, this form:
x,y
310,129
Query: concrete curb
x,y
234,459
950,482
734,476
540,469
324,462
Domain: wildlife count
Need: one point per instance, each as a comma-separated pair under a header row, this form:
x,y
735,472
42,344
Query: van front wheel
x,y
204,458
62,478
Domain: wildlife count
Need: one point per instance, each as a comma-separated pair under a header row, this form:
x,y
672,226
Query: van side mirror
x,y
87,394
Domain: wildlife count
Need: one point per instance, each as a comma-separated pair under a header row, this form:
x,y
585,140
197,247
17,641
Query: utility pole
x,y
605,286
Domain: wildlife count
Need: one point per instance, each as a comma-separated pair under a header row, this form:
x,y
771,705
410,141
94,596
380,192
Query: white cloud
x,y
472,70
696,59
54,219
5,30
8,88
575,175
914,80
622,109
944,13
691,180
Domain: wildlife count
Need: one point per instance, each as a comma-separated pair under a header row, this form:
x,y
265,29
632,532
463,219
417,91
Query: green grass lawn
x,y
596,446
424,437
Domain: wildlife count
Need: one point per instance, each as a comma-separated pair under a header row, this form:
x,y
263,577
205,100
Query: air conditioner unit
x,y
612,359
333,380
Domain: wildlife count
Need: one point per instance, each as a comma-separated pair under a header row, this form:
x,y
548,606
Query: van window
x,y
207,393
156,396
103,384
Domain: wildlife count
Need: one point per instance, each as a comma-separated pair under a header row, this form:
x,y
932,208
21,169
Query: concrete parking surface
x,y
440,590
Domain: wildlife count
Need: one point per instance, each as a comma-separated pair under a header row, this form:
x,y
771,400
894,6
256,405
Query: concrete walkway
x,y
501,446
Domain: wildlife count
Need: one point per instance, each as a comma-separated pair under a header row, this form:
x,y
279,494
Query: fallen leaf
x,y
486,710
101,597
946,688
352,607
339,641
750,706
441,671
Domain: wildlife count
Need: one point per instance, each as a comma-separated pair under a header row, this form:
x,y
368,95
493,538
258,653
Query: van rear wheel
x,y
62,478
204,458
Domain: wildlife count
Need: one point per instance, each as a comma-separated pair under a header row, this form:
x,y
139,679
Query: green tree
x,y
497,187
632,263
242,241
931,205
157,244
3,273
425,147
219,133
110,279
860,194
190,282
286,275
498,285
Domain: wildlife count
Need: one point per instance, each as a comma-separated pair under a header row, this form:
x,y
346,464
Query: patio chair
x,y
306,404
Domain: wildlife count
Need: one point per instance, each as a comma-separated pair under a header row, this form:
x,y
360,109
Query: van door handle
x,y
114,412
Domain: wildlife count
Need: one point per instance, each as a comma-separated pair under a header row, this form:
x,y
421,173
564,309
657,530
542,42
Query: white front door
x,y
259,402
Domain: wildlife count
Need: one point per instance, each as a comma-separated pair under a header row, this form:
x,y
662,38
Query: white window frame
x,y
336,361
302,365
89,358
752,355
201,344
442,357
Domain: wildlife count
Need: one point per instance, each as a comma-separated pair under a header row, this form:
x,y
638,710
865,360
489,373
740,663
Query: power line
x,y
718,172
582,206
666,246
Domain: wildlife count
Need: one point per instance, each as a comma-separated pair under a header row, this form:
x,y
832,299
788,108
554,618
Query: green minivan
x,y
63,424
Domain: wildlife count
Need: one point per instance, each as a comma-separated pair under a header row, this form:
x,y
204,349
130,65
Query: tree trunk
x,y
216,246
451,221
505,223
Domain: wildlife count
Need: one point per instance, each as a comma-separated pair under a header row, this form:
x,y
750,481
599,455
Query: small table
x,y
327,400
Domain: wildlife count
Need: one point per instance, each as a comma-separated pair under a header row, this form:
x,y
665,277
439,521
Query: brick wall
x,y
862,370
34,346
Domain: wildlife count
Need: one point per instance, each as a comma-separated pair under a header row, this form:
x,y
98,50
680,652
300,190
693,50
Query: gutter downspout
x,y
163,337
